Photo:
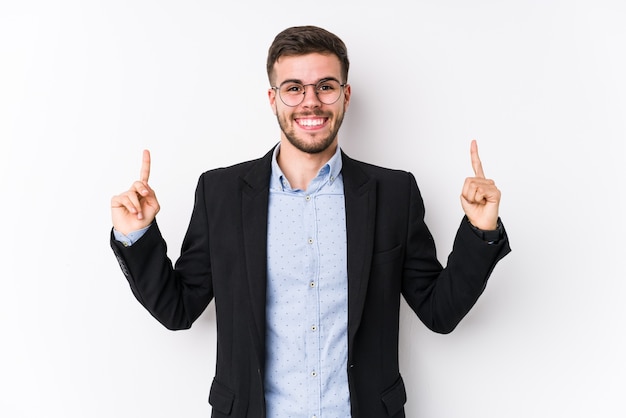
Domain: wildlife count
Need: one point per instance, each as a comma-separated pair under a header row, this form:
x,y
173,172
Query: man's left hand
x,y
480,197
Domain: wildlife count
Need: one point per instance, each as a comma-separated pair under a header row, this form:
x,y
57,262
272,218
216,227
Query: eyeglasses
x,y
327,91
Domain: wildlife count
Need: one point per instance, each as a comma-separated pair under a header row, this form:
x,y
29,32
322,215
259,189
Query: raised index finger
x,y
476,164
145,167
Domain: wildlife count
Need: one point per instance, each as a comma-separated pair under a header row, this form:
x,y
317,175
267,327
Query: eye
x,y
291,88
327,86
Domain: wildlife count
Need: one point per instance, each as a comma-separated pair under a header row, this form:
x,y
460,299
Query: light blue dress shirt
x,y
307,297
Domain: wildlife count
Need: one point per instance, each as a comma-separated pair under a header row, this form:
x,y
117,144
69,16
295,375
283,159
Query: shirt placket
x,y
312,342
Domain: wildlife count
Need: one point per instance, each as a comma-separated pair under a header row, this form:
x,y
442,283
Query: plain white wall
x,y
86,85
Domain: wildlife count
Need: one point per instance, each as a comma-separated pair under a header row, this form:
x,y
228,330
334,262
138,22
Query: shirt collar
x,y
327,174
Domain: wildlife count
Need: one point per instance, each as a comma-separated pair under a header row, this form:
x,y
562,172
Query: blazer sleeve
x,y
441,297
176,297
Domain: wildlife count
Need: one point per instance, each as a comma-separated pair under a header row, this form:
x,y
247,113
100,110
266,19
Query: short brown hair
x,y
302,40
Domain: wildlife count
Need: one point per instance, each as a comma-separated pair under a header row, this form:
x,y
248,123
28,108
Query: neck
x,y
300,167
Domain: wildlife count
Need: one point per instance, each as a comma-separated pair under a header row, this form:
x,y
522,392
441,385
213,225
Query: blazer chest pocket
x,y
221,398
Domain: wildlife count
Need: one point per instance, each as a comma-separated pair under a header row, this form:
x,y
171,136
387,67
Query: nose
x,y
310,96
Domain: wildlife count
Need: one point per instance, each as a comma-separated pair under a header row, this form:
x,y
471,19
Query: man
x,y
306,253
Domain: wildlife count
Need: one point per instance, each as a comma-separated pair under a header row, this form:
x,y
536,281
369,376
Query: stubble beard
x,y
313,147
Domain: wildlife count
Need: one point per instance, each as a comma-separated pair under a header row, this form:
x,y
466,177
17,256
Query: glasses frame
x,y
277,90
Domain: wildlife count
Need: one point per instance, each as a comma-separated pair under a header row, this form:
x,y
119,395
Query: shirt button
x,y
314,373
308,198
313,328
310,241
312,284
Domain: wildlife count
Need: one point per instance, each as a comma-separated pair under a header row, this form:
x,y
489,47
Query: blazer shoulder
x,y
374,171
238,168
252,176
256,167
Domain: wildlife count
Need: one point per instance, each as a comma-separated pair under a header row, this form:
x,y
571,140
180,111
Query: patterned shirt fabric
x,y
131,238
307,297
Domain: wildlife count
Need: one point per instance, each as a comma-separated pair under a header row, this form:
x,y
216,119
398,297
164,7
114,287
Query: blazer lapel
x,y
254,188
360,196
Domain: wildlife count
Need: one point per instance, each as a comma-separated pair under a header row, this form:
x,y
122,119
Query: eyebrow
x,y
295,80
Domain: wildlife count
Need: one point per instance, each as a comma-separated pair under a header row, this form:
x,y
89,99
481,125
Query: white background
x,y
86,85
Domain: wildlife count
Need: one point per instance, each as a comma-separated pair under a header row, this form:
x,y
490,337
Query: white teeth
x,y
311,122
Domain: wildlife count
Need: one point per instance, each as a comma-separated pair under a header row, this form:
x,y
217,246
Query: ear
x,y
347,91
271,95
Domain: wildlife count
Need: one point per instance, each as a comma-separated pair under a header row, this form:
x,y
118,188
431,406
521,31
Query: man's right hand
x,y
136,208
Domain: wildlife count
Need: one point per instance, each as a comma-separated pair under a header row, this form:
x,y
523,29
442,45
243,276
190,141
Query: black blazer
x,y
390,252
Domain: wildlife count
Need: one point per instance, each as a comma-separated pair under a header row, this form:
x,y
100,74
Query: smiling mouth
x,y
311,122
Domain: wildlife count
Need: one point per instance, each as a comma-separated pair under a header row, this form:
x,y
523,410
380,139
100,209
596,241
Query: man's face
x,y
311,126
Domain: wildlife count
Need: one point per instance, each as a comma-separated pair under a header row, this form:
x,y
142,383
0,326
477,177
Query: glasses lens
x,y
327,91
291,94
